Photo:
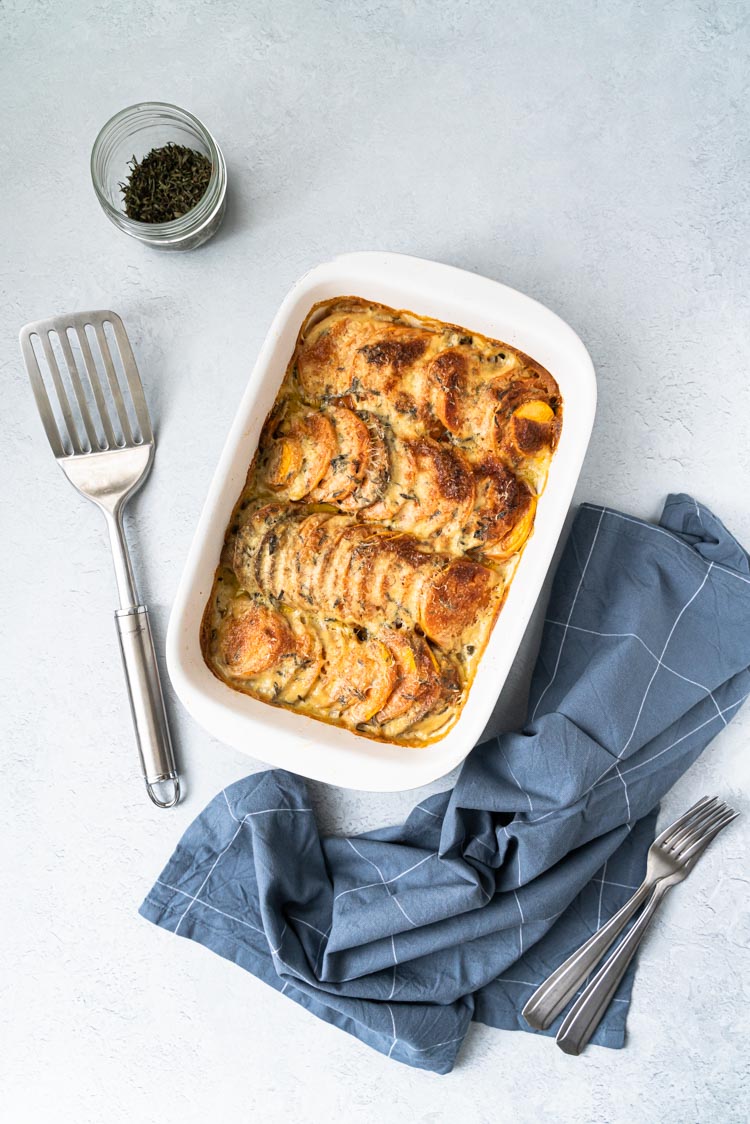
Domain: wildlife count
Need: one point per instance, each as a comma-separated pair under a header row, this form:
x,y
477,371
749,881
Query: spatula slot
x,y
127,389
52,398
113,408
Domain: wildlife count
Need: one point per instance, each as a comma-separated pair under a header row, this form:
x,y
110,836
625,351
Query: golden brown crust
x,y
450,375
253,638
453,602
394,487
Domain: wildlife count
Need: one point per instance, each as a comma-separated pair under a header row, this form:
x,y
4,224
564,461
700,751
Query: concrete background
x,y
593,155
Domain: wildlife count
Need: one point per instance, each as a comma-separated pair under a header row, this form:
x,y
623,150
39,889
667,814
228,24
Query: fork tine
x,y
672,828
131,374
696,849
114,386
695,857
75,380
43,405
62,395
697,826
698,833
96,386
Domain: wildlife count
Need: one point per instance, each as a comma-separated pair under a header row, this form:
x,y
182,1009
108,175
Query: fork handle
x,y
147,702
586,1014
551,996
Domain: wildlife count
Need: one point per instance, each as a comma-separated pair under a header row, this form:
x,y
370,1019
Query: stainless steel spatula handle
x,y
142,673
91,402
147,701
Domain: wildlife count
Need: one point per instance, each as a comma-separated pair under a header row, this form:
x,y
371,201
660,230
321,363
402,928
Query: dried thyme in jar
x,y
166,184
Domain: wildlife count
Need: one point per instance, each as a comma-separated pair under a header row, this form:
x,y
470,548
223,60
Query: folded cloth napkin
x,y
402,936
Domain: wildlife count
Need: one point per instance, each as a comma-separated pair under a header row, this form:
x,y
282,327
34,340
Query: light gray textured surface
x,y
592,158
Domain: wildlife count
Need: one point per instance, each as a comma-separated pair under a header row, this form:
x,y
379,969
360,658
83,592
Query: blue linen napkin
x,y
402,936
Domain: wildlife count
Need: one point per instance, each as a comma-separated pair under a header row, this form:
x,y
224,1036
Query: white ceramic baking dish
x,y
293,741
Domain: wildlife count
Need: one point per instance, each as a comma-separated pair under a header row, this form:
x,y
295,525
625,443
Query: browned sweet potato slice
x,y
296,453
442,489
515,538
329,578
531,427
311,533
450,377
375,468
385,352
503,514
369,575
323,366
372,673
331,690
300,547
455,600
318,450
308,662
346,470
358,673
252,638
380,576
417,686
526,436
402,478
432,706
247,543
284,461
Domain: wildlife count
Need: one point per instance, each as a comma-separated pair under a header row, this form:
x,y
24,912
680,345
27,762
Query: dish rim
x,y
298,742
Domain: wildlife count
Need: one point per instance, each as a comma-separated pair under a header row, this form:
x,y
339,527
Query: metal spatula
x,y
100,432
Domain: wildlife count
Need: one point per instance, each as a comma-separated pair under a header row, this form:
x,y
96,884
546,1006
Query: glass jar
x,y
133,132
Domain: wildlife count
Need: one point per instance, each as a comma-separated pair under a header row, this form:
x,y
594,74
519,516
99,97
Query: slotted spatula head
x,y
91,403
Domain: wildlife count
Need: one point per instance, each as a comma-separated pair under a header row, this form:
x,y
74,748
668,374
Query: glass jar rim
x,y
194,219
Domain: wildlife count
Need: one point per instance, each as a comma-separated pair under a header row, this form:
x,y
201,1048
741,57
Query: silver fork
x,y
106,450
683,853
550,997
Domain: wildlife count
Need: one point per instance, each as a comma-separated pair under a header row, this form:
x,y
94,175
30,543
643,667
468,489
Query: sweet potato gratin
x,y
384,513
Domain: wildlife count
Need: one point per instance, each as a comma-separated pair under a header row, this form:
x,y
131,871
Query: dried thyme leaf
x,y
165,184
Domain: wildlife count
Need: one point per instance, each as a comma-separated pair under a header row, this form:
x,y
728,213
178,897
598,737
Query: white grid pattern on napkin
x,y
568,625
615,768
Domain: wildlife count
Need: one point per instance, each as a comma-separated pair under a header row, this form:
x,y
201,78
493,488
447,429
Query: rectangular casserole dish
x,y
293,741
